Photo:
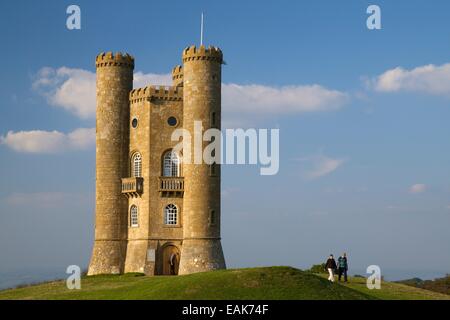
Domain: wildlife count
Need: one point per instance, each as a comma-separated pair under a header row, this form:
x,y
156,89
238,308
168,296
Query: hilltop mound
x,y
270,283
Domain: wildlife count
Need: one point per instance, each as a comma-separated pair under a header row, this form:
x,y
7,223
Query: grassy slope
x,y
441,285
254,283
393,291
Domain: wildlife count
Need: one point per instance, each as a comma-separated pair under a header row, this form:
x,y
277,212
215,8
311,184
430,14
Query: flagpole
x,y
201,31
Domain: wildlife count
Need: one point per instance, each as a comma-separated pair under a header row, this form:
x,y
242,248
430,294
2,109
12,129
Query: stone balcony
x,y
132,187
171,186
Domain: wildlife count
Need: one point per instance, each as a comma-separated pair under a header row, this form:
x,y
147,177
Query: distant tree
x,y
414,282
441,285
318,268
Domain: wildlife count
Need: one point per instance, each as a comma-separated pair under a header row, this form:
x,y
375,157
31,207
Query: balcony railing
x,y
171,184
132,187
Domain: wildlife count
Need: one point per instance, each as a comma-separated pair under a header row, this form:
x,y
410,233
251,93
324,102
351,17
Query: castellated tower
x,y
202,249
177,76
114,83
156,214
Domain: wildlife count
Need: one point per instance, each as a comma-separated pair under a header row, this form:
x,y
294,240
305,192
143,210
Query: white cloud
x,y
74,89
39,141
71,89
144,79
430,79
321,165
272,100
324,166
417,188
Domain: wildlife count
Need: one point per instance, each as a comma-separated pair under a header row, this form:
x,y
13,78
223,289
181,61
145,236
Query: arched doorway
x,y
171,260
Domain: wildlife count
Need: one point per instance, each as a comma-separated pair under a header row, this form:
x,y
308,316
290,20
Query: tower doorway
x,y
171,260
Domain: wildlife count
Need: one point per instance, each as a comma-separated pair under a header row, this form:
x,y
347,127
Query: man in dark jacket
x,y
330,265
342,267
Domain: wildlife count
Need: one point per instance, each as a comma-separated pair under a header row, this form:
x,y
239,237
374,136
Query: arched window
x,y
134,217
171,214
137,165
171,164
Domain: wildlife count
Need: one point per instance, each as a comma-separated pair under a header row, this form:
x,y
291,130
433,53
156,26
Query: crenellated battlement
x,y
156,92
177,72
111,59
177,76
132,190
211,53
177,69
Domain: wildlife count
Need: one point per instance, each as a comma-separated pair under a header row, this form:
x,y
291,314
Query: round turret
x,y
202,249
211,53
114,83
109,59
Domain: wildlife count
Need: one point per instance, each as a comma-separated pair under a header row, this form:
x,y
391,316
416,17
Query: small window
x,y
171,214
134,218
213,169
137,165
172,121
134,123
212,119
171,164
212,217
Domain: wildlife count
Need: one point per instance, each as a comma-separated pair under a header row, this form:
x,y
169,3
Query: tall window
x,y
171,214
212,217
213,169
134,218
137,165
171,164
212,119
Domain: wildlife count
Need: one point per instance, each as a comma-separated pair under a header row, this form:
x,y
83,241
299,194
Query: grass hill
x,y
441,285
269,283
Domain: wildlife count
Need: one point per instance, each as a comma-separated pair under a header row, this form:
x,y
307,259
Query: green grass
x,y
269,283
395,291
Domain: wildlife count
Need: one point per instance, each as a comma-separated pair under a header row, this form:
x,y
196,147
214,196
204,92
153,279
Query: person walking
x,y
330,265
342,267
173,263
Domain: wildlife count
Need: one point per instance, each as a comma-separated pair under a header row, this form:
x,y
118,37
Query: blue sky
x,y
364,169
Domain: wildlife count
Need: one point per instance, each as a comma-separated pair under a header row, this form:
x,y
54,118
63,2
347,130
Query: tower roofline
x,y
177,76
177,69
201,53
170,93
110,59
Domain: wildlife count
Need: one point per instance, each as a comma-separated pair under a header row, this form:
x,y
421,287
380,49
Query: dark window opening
x,y
172,121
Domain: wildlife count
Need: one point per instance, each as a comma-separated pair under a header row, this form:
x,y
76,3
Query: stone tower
x,y
156,214
114,83
202,249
